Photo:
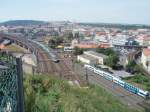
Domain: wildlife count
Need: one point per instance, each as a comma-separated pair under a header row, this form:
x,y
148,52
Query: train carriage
x,y
99,72
118,81
51,55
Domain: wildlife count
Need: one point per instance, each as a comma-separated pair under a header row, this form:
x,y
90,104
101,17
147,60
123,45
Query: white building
x,y
74,42
100,57
3,29
87,59
119,39
101,38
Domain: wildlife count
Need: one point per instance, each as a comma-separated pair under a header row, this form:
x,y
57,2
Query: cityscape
x,y
67,65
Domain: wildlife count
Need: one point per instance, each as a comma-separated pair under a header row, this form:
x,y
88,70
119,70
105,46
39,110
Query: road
x,y
126,97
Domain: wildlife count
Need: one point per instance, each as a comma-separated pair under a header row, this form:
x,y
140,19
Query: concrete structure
x,y
145,59
87,59
30,59
28,69
98,56
29,63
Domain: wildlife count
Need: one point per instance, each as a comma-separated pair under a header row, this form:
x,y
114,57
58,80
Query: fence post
x,y
20,85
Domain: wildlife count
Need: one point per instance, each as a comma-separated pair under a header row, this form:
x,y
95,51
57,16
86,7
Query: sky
x,y
102,11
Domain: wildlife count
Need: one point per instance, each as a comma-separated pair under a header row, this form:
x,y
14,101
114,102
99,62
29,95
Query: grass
x,y
49,94
14,48
140,81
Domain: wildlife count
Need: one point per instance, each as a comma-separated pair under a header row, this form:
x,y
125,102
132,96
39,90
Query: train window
x,y
91,68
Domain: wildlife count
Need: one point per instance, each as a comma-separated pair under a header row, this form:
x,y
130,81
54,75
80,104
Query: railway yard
x,y
64,69
61,69
44,63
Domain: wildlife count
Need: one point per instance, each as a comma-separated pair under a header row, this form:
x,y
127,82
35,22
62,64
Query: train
x,y
68,49
118,81
51,55
5,42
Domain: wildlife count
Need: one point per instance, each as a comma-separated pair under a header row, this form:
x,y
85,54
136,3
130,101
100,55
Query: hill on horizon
x,y
22,22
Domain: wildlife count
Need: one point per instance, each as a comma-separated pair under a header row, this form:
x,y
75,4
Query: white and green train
x,y
118,81
51,55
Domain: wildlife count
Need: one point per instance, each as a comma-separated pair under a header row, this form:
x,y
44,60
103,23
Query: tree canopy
x,y
107,51
78,51
112,60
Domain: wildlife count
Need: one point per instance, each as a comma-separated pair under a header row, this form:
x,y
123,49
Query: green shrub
x,y
48,94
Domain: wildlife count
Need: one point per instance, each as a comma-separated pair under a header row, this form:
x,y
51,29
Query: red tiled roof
x,y
146,52
146,38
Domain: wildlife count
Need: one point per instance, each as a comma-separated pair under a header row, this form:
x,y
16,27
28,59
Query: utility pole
x,y
37,61
86,76
60,74
72,63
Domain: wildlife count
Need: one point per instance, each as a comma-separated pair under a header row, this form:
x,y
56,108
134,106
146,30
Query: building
x,y
101,38
87,45
74,42
145,59
104,45
87,59
3,29
100,57
118,39
143,40
2,46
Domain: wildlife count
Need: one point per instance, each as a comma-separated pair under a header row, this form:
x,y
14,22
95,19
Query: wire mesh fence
x,y
11,95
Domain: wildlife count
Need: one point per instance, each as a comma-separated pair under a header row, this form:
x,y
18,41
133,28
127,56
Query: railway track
x,y
42,66
68,73
126,97
45,65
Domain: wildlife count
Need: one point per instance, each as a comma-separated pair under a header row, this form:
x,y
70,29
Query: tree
x,y
107,51
78,51
112,60
135,43
70,36
55,42
77,35
131,63
100,50
132,67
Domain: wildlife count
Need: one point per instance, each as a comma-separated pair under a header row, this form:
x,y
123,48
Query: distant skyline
x,y
96,11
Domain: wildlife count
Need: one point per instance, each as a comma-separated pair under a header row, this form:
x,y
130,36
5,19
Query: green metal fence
x,y
11,95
